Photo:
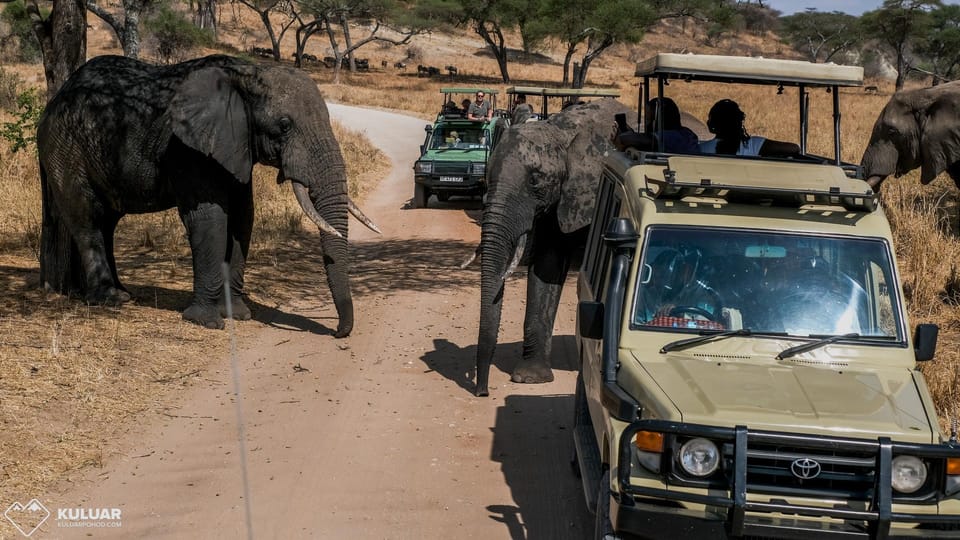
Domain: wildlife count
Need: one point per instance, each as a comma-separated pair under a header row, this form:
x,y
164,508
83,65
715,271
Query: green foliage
x,y
22,132
821,35
940,45
175,35
21,27
898,24
9,89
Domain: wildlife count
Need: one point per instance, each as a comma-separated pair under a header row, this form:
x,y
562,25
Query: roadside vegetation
x,y
74,378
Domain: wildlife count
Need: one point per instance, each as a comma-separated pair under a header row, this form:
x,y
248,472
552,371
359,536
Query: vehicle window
x,y
595,258
460,137
780,283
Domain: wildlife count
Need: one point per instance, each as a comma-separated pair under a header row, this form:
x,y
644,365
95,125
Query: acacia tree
x,y
285,10
338,17
940,46
896,26
62,34
126,25
821,35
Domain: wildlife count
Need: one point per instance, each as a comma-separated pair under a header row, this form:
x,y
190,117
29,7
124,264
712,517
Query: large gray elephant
x,y
917,128
126,137
543,179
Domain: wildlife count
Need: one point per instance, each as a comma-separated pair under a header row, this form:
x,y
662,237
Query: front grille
x,y
461,168
772,469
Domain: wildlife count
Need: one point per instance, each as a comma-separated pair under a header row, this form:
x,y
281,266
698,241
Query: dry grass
x,y
73,378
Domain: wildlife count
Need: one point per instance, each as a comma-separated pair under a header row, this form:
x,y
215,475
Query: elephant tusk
x,y
303,197
470,259
875,180
361,217
521,245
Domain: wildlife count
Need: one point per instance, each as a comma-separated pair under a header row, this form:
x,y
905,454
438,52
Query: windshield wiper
x,y
793,351
681,344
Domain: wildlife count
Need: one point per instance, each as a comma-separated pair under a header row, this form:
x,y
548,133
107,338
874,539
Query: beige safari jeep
x,y
747,367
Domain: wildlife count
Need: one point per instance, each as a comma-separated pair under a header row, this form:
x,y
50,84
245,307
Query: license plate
x,y
451,179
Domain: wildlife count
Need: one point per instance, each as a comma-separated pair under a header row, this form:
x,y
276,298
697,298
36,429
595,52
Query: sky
x,y
853,7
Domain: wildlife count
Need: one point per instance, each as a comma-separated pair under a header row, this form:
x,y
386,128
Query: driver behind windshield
x,y
675,294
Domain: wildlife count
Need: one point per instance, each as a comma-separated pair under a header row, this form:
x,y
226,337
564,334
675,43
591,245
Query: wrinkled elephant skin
x,y
543,178
126,137
916,128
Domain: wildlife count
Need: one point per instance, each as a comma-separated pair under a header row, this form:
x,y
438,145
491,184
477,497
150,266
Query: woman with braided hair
x,y
726,122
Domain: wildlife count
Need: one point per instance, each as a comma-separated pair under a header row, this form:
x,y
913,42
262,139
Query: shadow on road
x,y
533,442
281,273
458,364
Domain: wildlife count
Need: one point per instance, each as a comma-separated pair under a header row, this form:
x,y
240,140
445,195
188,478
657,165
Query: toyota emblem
x,y
805,468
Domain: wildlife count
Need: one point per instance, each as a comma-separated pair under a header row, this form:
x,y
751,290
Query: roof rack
x,y
754,70
761,182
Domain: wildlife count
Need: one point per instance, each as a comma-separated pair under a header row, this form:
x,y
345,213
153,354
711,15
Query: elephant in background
x,y
543,179
917,128
125,137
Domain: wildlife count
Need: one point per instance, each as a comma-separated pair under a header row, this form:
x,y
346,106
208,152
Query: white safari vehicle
x,y
747,367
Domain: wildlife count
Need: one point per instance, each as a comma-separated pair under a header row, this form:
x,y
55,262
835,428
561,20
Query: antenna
x,y
235,369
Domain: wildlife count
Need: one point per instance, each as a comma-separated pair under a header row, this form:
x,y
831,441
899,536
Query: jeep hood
x,y
787,396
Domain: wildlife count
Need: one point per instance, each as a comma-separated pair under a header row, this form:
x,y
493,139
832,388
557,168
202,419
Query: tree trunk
x,y
63,43
206,15
494,40
571,48
348,43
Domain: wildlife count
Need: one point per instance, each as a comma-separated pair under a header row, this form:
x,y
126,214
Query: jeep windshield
x,y
460,137
697,279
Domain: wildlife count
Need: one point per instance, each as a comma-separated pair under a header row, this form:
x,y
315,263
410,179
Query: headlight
x,y
909,474
699,457
478,168
423,167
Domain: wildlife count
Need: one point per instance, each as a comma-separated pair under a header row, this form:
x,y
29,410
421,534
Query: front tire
x,y
420,196
603,529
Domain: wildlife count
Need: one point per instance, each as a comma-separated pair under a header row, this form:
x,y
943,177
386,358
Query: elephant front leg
x,y
545,279
207,232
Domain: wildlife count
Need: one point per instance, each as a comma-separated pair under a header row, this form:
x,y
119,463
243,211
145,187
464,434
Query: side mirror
x,y
925,341
428,128
590,319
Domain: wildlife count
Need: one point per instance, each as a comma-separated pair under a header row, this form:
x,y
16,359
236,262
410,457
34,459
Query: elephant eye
x,y
285,124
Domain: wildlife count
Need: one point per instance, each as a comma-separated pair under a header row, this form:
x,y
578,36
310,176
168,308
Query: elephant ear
x,y
209,115
939,139
578,193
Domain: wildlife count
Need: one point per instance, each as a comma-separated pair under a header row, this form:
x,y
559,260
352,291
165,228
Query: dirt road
x,y
373,436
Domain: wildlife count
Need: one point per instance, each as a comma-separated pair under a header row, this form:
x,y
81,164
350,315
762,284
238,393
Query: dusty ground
x,y
374,436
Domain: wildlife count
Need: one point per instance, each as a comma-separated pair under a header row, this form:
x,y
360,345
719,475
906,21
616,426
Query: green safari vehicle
x,y
453,156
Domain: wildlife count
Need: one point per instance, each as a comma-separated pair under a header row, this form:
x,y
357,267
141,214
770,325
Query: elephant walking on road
x,y
125,137
541,198
916,128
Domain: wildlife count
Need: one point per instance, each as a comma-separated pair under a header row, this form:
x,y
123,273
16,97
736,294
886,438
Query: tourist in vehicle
x,y
465,106
521,110
480,109
725,120
677,139
451,109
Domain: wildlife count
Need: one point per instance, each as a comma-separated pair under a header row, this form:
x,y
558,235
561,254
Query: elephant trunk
x,y
502,232
879,161
328,207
